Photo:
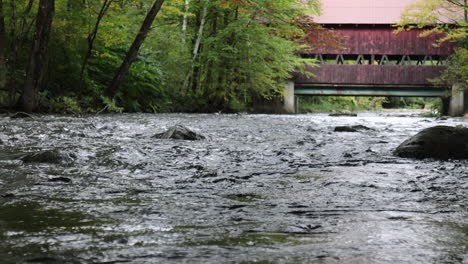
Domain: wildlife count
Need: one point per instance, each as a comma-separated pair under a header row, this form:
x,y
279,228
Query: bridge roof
x,y
362,11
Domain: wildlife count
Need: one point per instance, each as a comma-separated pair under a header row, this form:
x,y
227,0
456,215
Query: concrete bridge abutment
x,y
289,99
458,101
285,103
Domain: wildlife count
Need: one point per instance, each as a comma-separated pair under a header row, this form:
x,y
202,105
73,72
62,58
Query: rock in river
x,y
45,156
342,113
351,128
180,132
21,115
439,142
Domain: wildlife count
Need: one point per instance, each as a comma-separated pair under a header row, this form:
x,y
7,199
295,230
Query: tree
x,y
231,51
3,68
93,34
437,16
457,70
37,65
113,88
20,29
242,49
449,17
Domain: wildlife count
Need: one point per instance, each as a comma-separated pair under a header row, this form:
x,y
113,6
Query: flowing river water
x,y
258,189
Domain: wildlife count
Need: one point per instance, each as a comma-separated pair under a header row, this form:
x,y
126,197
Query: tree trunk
x,y
38,58
465,9
2,48
184,24
113,88
17,42
12,21
196,47
92,36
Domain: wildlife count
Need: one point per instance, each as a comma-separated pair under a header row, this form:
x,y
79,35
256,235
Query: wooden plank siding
x,y
383,41
398,75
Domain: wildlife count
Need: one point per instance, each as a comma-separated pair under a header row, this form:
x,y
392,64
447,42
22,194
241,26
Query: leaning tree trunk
x,y
184,24
196,47
2,48
113,88
29,100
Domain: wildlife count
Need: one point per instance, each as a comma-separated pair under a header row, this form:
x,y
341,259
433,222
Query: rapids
x,y
258,189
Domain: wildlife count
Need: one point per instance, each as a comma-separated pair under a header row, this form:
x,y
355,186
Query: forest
x,y
83,56
138,56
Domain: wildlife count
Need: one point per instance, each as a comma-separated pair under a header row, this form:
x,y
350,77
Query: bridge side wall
x,y
370,74
383,41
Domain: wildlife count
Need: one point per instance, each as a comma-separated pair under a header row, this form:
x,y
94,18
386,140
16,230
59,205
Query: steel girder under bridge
x,y
369,90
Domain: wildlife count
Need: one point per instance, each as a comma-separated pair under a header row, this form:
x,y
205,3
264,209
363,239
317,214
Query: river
x,y
258,189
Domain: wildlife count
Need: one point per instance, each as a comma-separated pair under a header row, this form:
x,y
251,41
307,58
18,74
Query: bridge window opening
x,y
340,59
373,59
384,60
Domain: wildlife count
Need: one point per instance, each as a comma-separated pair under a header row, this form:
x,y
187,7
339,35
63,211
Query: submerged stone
x,y
180,132
439,142
46,156
342,113
60,179
21,115
50,260
356,128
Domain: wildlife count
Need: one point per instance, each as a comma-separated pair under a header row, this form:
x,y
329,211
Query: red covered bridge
x,y
373,60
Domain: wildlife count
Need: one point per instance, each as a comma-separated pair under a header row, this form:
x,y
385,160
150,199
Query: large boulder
x,y
180,132
439,142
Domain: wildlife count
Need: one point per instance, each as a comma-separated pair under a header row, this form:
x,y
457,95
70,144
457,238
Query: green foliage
x,y
332,103
110,105
437,16
62,105
457,70
405,102
241,56
362,103
449,17
247,49
434,104
143,91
